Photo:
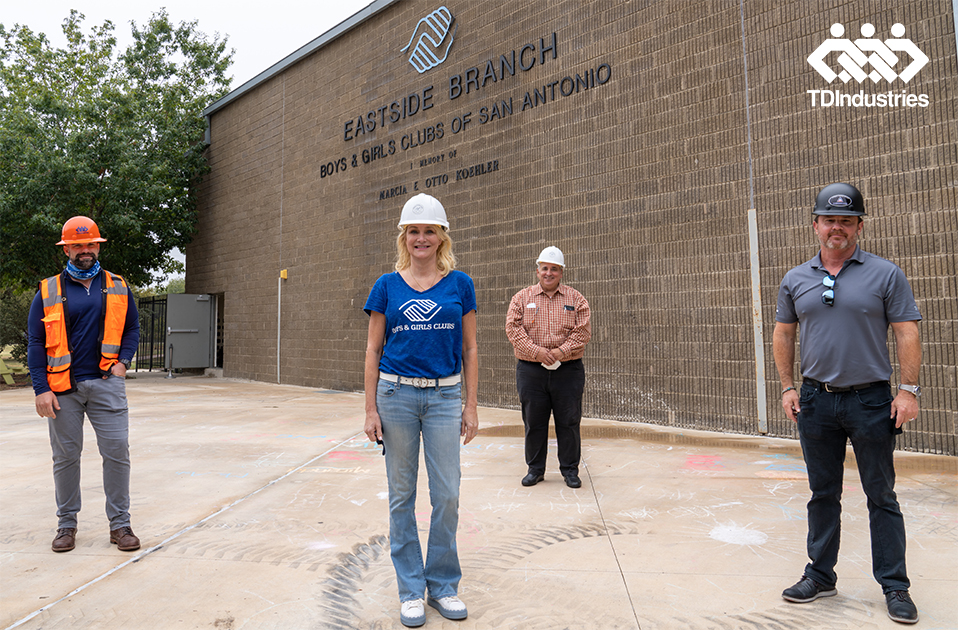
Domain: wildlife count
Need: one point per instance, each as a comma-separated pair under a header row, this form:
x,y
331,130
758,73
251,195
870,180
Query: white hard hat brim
x,y
423,209
552,255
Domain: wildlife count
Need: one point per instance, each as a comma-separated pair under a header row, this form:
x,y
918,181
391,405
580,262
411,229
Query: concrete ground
x,y
263,506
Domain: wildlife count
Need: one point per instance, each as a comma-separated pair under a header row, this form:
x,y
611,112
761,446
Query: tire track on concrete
x,y
347,579
361,572
145,553
360,580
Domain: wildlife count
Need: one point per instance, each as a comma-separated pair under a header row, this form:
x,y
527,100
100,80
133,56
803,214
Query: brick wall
x,y
643,176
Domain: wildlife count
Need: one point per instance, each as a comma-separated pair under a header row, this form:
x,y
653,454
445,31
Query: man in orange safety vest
x,y
83,332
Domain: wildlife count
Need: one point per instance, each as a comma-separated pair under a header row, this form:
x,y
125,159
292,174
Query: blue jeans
x,y
104,403
435,413
826,421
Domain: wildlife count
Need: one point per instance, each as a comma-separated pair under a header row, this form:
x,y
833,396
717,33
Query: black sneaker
x,y
900,607
807,590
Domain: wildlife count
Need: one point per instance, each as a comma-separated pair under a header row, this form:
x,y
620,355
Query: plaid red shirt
x,y
537,321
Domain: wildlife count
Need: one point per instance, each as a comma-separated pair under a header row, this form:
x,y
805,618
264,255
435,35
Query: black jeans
x,y
826,421
557,392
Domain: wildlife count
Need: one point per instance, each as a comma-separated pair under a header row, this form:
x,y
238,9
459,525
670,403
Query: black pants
x,y
558,393
826,423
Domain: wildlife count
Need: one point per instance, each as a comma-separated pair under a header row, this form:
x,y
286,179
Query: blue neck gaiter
x,y
79,274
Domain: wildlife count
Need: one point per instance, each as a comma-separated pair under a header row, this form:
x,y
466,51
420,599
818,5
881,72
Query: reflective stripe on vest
x,y
56,343
59,360
114,321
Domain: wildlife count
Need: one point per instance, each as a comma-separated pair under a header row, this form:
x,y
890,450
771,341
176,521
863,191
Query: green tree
x,y
174,285
14,308
115,137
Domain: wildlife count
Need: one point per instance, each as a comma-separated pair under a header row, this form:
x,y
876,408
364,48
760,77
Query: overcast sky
x,y
261,32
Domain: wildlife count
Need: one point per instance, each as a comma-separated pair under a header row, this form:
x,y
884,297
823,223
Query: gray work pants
x,y
104,403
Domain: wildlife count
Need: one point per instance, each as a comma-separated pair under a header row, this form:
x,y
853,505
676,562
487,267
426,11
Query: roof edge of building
x,y
295,57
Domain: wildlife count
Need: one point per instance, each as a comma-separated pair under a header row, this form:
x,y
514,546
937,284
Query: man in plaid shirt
x,y
548,325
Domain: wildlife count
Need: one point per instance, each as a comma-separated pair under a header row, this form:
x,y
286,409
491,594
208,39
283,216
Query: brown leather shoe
x,y
124,539
66,539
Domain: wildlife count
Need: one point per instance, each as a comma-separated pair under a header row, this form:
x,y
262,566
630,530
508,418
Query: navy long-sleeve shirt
x,y
85,315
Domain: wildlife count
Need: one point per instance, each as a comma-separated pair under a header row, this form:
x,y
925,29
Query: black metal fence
x,y
151,353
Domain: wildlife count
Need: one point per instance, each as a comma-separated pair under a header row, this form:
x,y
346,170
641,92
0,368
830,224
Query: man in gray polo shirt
x,y
842,302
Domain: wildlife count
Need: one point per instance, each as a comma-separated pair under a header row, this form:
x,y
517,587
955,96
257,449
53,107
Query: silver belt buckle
x,y
420,382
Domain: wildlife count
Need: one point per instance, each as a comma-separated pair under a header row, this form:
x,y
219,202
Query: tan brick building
x,y
672,149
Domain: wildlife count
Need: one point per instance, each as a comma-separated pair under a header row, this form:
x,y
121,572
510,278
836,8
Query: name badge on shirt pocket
x,y
568,308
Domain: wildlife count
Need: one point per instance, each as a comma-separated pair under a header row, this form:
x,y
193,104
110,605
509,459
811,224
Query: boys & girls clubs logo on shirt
x,y
868,59
420,310
420,313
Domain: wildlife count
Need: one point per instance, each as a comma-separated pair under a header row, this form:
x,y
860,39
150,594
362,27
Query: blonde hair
x,y
445,260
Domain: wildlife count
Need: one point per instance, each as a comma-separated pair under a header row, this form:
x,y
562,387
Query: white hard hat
x,y
423,209
552,255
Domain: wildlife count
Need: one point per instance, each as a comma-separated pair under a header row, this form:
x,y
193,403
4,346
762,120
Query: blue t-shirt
x,y
423,328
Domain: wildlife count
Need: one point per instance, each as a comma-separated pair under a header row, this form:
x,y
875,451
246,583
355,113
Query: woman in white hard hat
x,y
421,353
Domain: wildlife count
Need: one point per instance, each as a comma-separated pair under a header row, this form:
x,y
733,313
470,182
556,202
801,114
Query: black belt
x,y
838,390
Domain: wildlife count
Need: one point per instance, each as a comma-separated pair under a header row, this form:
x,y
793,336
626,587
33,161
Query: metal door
x,y
188,327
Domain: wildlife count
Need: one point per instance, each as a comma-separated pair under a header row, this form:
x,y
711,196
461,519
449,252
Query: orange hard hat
x,y
80,230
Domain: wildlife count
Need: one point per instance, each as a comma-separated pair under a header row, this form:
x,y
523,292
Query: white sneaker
x,y
413,613
449,607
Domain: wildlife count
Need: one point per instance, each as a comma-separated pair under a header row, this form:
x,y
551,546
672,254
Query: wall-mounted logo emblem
x,y
420,310
431,40
855,56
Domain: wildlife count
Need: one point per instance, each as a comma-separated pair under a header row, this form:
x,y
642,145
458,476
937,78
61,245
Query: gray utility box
x,y
189,325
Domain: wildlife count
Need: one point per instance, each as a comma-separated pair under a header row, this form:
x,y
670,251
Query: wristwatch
x,y
126,363
914,389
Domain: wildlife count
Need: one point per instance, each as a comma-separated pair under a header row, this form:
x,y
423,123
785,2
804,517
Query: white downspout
x,y
758,335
